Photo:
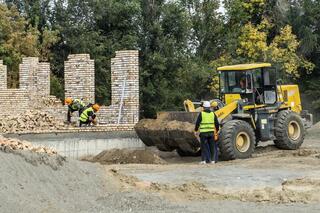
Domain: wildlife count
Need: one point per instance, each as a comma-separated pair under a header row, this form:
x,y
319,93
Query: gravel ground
x,y
33,182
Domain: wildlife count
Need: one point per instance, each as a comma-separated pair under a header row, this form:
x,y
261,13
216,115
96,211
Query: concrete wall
x,y
81,144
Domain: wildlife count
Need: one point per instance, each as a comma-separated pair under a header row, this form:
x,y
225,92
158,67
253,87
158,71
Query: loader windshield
x,y
235,82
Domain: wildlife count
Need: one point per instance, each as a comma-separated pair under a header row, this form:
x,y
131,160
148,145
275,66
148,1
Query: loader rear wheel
x,y
289,130
237,140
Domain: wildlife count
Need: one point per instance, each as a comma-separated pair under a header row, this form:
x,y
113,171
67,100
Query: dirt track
x,y
273,180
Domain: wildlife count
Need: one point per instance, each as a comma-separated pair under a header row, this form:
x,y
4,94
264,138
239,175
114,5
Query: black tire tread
x,y
227,146
282,141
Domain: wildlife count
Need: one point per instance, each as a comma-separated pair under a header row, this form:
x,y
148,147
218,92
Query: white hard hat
x,y
206,104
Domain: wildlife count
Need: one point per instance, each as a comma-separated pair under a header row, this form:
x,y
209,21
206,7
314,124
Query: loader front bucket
x,y
170,131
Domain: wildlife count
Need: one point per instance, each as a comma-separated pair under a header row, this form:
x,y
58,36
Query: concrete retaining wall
x,y
77,145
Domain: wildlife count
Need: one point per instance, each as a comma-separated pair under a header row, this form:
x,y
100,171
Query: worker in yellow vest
x,y
208,125
88,116
74,105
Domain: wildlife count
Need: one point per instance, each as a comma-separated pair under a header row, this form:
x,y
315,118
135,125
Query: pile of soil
x,y
126,156
9,145
38,182
167,134
31,120
316,126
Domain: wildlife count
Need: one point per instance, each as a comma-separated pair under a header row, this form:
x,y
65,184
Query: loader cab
x,y
255,83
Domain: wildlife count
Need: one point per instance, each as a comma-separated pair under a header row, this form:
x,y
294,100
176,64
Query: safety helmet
x,y
214,104
68,101
96,107
206,104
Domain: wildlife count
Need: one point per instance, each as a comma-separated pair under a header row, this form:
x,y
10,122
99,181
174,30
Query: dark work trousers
x,y
214,153
209,147
88,122
70,111
207,141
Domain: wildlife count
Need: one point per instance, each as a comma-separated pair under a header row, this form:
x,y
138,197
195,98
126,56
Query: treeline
x,y
181,42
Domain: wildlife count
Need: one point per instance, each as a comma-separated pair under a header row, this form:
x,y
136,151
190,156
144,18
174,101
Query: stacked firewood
x,y
9,144
31,120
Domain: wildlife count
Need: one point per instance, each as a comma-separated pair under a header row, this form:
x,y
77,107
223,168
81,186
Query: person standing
x,y
208,125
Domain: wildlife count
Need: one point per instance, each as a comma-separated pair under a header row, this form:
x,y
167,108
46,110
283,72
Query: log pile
x,y
9,144
31,120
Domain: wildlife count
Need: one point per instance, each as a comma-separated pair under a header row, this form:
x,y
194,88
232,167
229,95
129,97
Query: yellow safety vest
x,y
207,122
77,104
84,116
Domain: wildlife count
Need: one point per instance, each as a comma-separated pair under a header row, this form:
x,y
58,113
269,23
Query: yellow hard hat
x,y
214,104
68,101
96,107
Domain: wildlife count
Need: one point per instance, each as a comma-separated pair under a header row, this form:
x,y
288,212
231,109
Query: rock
x,y
30,120
9,144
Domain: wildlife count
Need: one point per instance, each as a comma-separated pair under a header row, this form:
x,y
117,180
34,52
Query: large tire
x,y
289,130
182,153
236,140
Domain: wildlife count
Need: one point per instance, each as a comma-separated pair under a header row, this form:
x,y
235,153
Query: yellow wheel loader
x,y
253,107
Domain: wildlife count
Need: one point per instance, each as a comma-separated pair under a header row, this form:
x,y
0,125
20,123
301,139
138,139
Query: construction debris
x,y
50,101
31,120
126,156
9,144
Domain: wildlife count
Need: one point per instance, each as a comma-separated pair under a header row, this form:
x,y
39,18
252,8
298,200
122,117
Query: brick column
x,y
27,73
3,76
125,85
79,77
43,79
35,77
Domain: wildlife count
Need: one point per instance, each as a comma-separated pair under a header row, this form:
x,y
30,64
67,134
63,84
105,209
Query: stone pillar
x,y
79,77
27,73
3,76
125,85
43,79
35,77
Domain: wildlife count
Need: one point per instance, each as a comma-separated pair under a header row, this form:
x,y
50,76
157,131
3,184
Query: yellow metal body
x,y
290,96
287,94
189,106
226,110
229,98
242,67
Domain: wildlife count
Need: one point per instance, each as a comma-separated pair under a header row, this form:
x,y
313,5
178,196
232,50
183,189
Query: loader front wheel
x,y
237,140
289,130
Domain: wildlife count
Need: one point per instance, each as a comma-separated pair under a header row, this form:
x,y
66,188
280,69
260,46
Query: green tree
x,y
304,16
17,39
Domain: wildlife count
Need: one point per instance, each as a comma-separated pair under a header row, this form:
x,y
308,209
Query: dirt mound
x,y
10,145
31,120
126,156
316,126
314,131
181,126
300,190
